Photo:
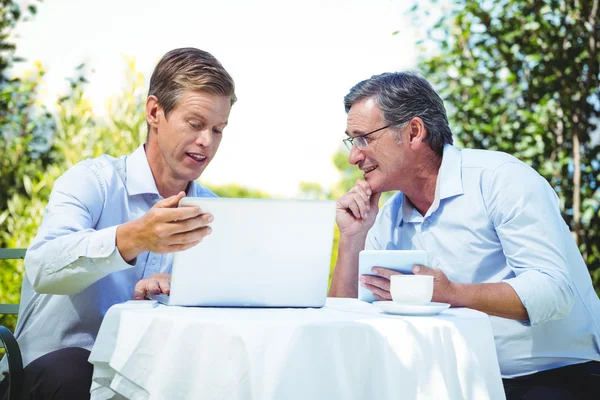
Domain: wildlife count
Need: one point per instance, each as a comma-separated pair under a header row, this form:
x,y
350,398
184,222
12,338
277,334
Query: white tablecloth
x,y
346,350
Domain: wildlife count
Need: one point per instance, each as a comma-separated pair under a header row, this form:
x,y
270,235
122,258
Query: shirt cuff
x,y
537,295
102,250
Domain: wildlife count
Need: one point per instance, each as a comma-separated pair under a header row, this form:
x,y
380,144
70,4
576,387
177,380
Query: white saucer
x,y
391,307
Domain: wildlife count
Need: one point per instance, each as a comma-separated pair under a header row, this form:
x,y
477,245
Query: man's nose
x,y
355,156
205,138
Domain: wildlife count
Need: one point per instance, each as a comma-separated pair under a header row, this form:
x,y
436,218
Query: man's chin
x,y
373,182
192,175
378,187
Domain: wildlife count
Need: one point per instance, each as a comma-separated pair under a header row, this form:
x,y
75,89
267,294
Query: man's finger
x,y
374,200
177,214
139,291
191,224
165,285
378,297
363,195
422,270
191,236
152,286
376,281
386,273
363,185
362,205
353,209
378,292
181,247
170,202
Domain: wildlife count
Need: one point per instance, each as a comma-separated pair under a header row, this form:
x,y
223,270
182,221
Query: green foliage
x,y
233,190
523,77
23,139
28,172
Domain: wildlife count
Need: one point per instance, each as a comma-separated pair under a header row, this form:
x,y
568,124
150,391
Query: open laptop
x,y
261,253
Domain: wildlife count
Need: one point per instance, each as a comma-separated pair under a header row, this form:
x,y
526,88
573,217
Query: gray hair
x,y
402,96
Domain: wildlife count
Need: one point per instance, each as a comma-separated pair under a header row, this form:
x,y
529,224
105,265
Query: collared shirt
x,y
74,255
494,219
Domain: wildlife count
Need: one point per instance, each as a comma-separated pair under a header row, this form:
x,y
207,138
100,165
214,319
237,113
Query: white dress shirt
x,y
74,256
494,219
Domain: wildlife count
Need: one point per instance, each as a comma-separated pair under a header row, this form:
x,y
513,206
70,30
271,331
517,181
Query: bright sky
x,y
292,61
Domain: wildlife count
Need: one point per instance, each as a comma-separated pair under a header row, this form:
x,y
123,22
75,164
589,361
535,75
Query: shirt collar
x,y
449,184
139,175
450,175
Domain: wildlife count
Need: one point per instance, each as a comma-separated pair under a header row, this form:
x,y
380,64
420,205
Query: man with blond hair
x,y
112,223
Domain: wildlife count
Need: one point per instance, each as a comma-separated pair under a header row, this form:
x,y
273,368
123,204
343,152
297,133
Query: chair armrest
x,y
15,363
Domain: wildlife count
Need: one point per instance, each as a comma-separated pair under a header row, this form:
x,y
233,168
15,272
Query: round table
x,y
345,350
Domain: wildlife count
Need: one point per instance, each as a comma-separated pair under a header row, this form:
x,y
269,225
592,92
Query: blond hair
x,y
189,69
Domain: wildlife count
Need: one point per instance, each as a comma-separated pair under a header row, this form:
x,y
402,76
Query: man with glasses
x,y
492,226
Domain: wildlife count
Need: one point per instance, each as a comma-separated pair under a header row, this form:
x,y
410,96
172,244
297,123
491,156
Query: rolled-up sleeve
x,y
525,212
68,254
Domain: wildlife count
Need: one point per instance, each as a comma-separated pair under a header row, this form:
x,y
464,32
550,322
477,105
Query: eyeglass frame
x,y
349,141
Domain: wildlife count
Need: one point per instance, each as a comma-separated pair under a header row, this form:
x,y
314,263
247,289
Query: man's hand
x,y
154,284
498,299
357,209
163,229
444,291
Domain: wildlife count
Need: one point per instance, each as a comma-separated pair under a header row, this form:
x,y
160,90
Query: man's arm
x,y
345,275
526,215
498,299
68,254
356,212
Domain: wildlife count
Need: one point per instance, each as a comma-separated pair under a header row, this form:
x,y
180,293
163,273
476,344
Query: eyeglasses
x,y
359,141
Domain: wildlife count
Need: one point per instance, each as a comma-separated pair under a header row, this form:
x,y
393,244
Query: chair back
x,y
8,341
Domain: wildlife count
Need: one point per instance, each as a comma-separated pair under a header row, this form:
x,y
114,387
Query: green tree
x,y
523,77
29,170
24,132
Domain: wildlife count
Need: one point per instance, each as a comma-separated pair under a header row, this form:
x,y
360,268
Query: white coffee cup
x,y
411,289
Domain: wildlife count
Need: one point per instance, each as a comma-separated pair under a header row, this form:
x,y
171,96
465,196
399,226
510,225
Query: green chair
x,y
14,382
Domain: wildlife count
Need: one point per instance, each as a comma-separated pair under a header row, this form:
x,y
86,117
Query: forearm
x,y
497,299
345,276
69,263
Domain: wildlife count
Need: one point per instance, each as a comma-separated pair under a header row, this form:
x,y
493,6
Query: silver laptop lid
x,y
261,253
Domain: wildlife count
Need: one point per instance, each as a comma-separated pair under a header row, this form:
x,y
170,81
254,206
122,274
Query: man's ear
x,y
153,109
417,133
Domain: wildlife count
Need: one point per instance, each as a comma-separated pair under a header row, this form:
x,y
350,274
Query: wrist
x,y
356,241
458,293
127,241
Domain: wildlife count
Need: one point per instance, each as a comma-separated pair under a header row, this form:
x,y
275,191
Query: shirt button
x,y
154,261
426,222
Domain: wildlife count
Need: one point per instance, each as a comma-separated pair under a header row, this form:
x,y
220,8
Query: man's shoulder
x,y
100,172
487,159
103,168
103,162
495,169
490,165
